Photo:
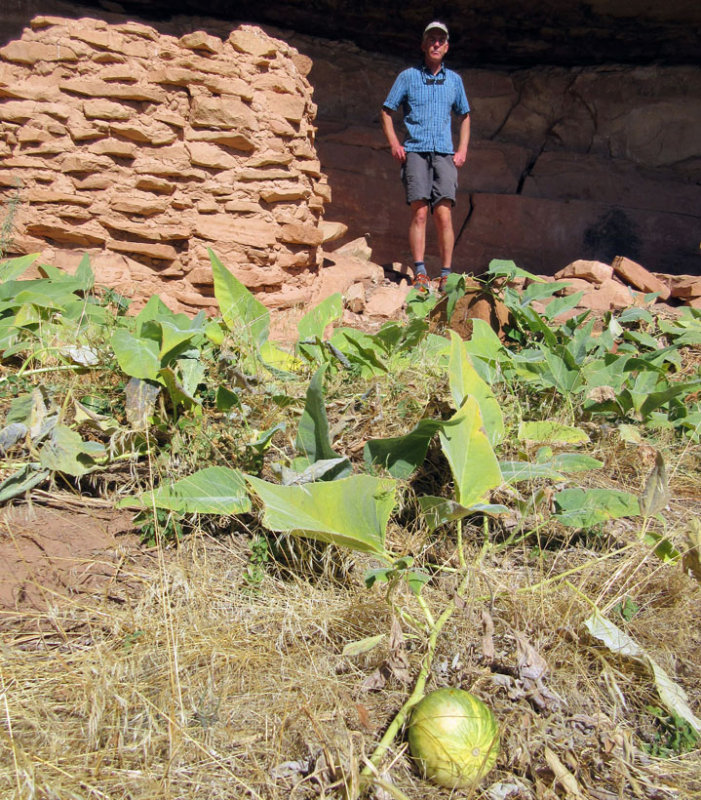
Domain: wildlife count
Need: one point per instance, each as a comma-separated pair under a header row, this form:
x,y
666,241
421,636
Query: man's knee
x,y
419,211
443,214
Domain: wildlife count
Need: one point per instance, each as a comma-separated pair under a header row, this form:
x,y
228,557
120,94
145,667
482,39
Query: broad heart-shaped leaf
x,y
213,490
401,455
580,508
67,452
472,461
673,697
549,432
499,267
313,432
464,381
240,310
352,512
9,270
138,358
314,322
485,349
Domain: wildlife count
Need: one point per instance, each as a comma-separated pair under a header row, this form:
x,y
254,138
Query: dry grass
x,y
205,684
203,687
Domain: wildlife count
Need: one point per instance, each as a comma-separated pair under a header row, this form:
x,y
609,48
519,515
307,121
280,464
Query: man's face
x,y
435,45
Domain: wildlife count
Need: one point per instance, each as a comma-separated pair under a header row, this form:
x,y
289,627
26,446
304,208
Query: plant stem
x,y
461,553
418,690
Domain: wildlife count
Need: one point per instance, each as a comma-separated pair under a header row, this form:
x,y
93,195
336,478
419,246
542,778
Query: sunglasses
x,y
429,81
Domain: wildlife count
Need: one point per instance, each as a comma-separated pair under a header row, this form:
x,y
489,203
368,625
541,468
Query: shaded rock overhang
x,y
483,32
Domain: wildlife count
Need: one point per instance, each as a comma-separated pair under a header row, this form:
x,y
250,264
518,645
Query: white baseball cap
x,y
436,25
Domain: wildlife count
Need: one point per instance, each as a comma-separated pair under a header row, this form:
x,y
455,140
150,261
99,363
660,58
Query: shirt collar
x,y
424,69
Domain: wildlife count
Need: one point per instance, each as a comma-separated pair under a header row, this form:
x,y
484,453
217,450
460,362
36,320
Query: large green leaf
x,y
9,270
213,490
464,381
240,310
401,455
67,452
352,512
580,508
313,432
137,357
470,455
314,322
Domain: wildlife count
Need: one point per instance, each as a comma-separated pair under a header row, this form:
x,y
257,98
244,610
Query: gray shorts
x,y
430,176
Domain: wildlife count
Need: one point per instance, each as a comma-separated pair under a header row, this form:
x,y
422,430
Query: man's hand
x,y
459,159
398,153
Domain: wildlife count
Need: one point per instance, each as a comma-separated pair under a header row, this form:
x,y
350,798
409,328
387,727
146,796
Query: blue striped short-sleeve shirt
x,y
427,102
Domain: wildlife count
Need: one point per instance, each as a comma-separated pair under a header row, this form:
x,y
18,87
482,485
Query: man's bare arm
x,y
460,156
398,151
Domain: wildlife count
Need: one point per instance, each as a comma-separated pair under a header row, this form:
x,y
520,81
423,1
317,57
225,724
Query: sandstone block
x,y
252,42
81,235
17,111
354,298
617,295
290,107
129,72
28,133
50,196
297,233
45,89
288,193
23,52
249,174
228,113
169,117
684,287
105,109
199,40
84,162
637,276
150,183
232,139
332,230
387,301
152,133
97,88
303,63
143,205
93,182
222,227
575,285
592,271
204,154
162,252
113,147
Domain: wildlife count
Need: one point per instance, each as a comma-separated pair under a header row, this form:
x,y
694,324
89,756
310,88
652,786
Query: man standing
x,y
428,94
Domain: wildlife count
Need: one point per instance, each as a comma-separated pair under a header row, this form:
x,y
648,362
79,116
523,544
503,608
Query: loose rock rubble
x,y
144,150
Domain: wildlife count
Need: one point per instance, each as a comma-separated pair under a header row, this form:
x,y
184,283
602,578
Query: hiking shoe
x,y
441,284
421,283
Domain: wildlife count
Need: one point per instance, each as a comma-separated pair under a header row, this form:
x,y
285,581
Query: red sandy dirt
x,y
62,556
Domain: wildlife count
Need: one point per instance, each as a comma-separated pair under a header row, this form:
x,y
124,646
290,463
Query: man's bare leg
x,y
417,229
443,218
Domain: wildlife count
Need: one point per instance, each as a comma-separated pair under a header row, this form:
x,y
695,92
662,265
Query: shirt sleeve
x,y
397,94
460,105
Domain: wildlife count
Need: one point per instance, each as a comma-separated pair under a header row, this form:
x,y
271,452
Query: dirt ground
x,y
51,556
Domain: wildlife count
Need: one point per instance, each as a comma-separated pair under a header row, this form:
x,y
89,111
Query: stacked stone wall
x,y
144,150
